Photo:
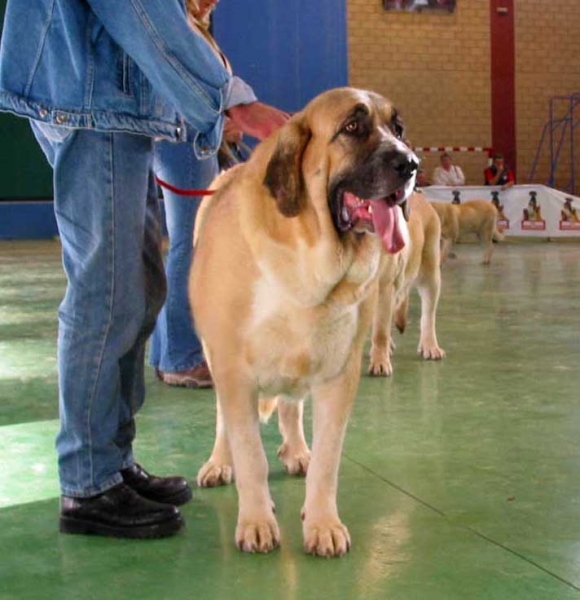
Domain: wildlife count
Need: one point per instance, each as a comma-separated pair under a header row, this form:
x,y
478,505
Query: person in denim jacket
x,y
100,80
176,351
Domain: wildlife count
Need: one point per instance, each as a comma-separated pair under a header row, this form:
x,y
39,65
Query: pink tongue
x,y
386,223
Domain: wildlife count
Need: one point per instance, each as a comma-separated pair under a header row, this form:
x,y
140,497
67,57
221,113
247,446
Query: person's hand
x,y
257,119
232,133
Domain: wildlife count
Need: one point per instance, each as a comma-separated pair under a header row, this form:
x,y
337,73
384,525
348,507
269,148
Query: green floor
x,y
459,480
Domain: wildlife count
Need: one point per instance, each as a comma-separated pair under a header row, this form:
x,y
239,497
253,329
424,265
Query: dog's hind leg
x,y
429,287
446,246
401,314
293,452
488,253
218,470
486,236
381,350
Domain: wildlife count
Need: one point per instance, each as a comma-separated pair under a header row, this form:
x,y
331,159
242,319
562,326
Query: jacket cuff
x,y
238,92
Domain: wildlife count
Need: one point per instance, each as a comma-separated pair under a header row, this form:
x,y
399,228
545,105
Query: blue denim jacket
x,y
124,65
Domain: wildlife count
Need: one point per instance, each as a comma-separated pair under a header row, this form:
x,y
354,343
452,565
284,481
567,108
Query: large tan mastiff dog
x,y
287,260
477,217
416,265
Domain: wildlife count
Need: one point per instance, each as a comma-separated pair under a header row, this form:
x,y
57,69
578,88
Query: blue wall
x,y
27,220
288,51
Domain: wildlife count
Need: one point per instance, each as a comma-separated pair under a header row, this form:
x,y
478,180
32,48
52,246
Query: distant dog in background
x,y
477,217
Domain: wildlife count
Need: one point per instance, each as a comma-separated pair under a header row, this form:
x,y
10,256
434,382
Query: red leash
x,y
181,192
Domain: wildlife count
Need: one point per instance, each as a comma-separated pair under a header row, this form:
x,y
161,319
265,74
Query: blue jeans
x,y
175,345
106,207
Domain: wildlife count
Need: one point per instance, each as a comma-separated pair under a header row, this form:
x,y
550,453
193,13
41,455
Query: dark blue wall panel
x,y
288,51
28,220
35,220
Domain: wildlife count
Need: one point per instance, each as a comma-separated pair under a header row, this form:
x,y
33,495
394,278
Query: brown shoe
x,y
197,377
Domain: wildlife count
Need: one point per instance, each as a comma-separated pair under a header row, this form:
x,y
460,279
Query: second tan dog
x,y
416,265
477,217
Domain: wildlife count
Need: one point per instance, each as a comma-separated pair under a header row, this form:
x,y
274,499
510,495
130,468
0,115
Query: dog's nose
x,y
405,166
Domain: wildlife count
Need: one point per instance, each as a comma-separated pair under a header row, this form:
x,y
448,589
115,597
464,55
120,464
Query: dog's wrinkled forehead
x,y
332,111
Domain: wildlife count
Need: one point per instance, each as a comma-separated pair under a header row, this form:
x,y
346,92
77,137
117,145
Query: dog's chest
x,y
293,347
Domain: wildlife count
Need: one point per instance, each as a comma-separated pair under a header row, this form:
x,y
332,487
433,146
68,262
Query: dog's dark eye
x,y
398,131
352,127
357,125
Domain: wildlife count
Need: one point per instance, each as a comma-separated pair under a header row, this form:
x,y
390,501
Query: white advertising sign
x,y
524,210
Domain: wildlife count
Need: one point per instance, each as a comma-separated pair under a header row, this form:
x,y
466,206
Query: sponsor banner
x,y
523,210
570,225
528,225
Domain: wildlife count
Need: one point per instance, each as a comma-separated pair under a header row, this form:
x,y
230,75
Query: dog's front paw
x,y
328,538
213,474
257,535
296,460
431,351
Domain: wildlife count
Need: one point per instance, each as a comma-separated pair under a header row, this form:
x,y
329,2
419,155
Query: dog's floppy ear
x,y
284,172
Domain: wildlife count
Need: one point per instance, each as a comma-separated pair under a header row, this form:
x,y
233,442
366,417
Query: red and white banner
x,y
524,210
429,149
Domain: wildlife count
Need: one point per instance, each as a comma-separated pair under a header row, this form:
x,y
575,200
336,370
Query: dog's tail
x,y
266,408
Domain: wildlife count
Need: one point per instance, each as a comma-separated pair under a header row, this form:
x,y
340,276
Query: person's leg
x,y
171,490
101,182
115,288
132,364
175,347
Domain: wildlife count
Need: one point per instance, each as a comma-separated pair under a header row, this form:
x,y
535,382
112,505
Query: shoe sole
x,y
191,385
155,531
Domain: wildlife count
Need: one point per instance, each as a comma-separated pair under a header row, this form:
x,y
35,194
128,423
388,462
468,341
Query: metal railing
x,y
559,130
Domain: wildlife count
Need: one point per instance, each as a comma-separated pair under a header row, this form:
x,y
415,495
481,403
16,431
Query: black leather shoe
x,y
119,512
167,490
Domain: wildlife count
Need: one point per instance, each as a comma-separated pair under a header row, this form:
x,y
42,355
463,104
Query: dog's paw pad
x,y
328,540
212,474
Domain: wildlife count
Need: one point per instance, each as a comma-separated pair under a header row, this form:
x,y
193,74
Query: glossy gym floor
x,y
459,479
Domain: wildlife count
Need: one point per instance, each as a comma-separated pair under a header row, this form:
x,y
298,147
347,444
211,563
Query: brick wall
x,y
436,68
